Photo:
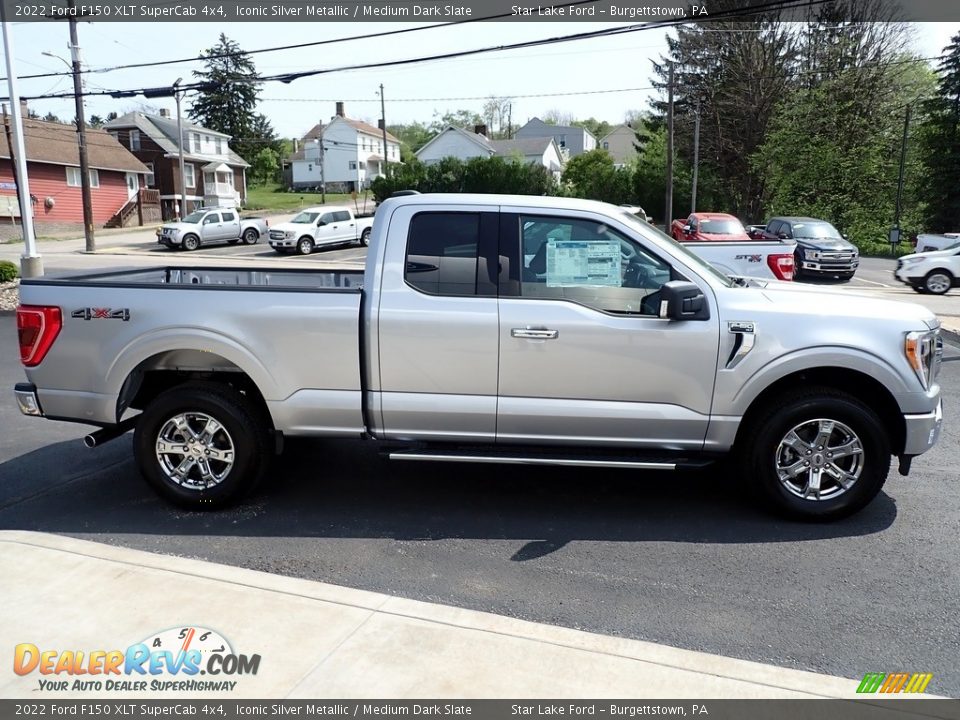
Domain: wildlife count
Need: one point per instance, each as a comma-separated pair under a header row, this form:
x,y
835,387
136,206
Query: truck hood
x,y
812,300
826,243
178,226
294,227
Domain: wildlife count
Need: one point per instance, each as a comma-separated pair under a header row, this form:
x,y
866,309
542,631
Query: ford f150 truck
x,y
491,329
211,225
318,226
821,249
708,227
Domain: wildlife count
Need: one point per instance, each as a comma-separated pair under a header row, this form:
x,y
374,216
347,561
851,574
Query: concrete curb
x,y
341,642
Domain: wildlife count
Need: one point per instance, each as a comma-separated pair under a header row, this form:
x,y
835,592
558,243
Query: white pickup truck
x,y
491,329
318,226
211,225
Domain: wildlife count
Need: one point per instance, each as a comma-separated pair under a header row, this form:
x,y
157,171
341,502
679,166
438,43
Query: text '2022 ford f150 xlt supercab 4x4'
x,y
504,329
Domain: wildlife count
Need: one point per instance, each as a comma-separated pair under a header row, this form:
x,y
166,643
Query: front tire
x,y
305,246
816,454
191,242
938,282
365,237
250,236
201,446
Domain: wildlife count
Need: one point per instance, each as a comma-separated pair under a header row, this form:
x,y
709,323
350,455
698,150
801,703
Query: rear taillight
x,y
782,266
37,328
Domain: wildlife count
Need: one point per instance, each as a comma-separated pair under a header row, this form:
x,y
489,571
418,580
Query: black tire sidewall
x,y
195,238
239,420
938,272
760,465
250,233
365,237
300,244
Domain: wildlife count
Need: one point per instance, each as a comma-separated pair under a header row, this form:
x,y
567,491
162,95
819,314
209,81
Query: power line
x,y
296,46
608,32
470,97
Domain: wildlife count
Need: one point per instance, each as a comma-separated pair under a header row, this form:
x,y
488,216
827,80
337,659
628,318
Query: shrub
x,y
8,271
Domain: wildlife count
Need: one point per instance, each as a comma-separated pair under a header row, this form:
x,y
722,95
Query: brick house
x,y
53,172
214,174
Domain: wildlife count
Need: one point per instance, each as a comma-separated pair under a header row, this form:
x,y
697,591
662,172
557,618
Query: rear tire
x,y
201,446
365,237
250,236
815,454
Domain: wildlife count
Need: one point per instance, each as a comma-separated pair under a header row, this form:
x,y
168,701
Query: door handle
x,y
534,333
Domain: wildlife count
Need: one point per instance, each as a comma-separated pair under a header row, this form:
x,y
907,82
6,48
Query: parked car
x,y
755,231
638,211
708,227
933,271
821,249
207,226
611,346
929,241
318,226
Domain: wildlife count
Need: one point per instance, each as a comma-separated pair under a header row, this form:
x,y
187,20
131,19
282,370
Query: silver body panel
x,y
415,366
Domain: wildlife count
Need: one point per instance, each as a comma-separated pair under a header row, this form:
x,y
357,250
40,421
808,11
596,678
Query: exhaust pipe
x,y
105,435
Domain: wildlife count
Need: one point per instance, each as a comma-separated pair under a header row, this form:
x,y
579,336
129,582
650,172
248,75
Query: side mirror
x,y
683,300
320,223
783,236
844,236
687,229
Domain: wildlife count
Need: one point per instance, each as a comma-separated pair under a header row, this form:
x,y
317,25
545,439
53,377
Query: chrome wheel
x,y
819,459
195,451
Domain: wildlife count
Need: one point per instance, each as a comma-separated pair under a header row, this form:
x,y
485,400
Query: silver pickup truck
x,y
492,329
207,226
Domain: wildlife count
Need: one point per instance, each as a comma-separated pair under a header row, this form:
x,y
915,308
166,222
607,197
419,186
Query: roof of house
x,y
476,138
56,144
618,130
525,146
163,131
537,123
317,130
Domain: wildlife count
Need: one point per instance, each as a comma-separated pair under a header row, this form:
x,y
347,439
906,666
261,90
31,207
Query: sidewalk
x,y
317,640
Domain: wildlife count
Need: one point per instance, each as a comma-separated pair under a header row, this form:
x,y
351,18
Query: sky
x,y
539,79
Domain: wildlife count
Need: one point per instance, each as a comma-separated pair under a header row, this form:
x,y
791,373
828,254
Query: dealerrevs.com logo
x,y
179,659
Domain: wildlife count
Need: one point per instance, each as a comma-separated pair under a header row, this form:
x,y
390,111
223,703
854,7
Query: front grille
x,y
275,235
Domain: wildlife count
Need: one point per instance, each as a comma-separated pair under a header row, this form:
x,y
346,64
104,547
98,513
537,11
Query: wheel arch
x,y
864,387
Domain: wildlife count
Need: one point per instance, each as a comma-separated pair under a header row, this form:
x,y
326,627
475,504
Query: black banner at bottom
x,y
857,709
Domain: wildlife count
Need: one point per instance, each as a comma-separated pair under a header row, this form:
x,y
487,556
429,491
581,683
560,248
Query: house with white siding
x,y
463,144
352,155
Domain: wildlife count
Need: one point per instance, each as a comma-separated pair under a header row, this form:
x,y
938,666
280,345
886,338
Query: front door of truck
x,y
436,329
584,357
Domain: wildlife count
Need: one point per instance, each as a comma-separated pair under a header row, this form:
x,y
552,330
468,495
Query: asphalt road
x,y
675,559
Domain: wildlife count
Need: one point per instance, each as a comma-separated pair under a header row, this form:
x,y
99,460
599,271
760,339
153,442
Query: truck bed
x,y
214,278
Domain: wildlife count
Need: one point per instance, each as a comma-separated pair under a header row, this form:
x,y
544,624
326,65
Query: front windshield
x,y
721,227
306,218
815,230
195,217
692,258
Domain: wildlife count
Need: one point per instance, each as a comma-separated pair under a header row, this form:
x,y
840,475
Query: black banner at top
x,y
444,11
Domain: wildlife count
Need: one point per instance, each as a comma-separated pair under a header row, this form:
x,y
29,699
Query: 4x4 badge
x,y
101,313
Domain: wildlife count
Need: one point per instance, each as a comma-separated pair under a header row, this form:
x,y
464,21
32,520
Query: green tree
x,y
593,175
228,99
465,119
940,144
50,117
96,121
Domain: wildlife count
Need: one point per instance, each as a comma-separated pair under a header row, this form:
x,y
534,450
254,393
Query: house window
x,y
310,167
562,140
606,145
225,178
219,146
134,139
196,142
353,164
190,178
150,179
208,178
73,177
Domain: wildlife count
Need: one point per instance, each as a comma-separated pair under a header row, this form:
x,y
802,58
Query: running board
x,y
509,459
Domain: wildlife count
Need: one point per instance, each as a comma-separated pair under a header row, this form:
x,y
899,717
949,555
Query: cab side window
x,y
341,216
211,219
325,219
229,217
442,251
590,263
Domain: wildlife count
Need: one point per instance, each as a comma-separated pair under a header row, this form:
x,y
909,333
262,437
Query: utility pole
x,y
383,121
510,121
696,158
183,175
903,162
323,177
81,131
668,210
31,264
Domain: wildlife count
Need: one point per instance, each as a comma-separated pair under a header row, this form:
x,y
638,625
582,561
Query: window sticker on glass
x,y
583,262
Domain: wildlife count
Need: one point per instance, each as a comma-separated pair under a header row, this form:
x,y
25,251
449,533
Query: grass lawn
x,y
273,197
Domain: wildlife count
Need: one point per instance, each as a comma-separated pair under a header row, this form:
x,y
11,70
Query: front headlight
x,y
289,234
910,260
812,254
924,351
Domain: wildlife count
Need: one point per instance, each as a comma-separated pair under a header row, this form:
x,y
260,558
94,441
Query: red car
x,y
708,227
